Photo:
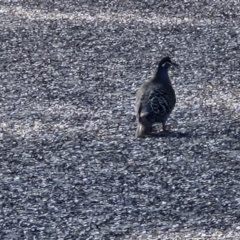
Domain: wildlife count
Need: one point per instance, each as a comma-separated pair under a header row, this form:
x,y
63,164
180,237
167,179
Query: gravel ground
x,y
70,165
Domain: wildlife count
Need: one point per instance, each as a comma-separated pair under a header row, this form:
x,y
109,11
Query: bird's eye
x,y
166,63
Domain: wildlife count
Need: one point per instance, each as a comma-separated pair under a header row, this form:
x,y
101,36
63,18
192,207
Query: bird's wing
x,y
139,96
158,102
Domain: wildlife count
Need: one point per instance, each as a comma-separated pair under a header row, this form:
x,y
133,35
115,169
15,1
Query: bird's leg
x,y
150,129
165,128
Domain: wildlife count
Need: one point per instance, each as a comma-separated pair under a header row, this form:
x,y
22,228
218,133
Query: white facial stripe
x,y
163,65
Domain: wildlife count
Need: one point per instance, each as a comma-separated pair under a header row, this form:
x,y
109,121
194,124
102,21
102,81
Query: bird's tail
x,y
141,130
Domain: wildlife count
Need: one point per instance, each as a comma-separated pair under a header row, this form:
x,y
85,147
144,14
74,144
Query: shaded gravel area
x,y
70,166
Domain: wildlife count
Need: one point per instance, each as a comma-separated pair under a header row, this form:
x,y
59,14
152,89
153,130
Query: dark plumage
x,y
155,99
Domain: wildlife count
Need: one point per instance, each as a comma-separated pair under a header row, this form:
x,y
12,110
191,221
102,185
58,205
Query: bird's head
x,y
166,62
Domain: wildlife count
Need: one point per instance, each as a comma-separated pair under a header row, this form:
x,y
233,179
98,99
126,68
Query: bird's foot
x,y
166,128
151,130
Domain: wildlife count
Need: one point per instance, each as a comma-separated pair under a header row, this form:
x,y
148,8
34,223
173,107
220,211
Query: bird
x,y
155,99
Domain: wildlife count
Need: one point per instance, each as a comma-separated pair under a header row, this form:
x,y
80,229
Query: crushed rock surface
x,y
70,166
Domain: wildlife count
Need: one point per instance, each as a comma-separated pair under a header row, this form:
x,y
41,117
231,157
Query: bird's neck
x,y
162,76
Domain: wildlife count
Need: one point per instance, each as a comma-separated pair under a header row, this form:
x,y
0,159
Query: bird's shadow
x,y
170,135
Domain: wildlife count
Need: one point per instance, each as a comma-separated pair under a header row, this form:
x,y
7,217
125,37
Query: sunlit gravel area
x,y
70,165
